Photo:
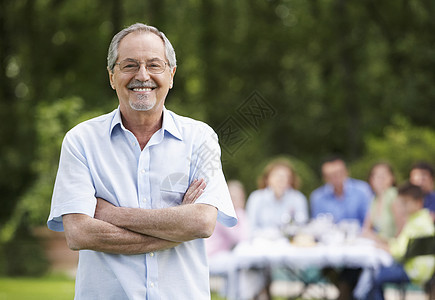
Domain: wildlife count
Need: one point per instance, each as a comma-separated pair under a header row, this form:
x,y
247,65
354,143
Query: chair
x,y
418,247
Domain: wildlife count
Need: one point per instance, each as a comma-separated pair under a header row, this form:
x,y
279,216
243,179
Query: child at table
x,y
419,223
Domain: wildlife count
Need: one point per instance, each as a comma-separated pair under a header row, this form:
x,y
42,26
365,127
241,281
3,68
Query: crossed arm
x,y
124,230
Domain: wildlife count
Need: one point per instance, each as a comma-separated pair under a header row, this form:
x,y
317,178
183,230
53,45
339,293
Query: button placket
x,y
143,179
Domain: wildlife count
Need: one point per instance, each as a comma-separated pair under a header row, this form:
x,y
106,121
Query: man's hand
x,y
178,223
194,191
105,209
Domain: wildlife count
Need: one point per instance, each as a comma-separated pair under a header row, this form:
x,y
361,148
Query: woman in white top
x,y
277,201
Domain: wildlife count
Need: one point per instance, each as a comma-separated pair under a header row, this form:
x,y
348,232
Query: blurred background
x,y
295,78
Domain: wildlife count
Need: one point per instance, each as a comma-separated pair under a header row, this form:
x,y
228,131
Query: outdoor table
x,y
280,253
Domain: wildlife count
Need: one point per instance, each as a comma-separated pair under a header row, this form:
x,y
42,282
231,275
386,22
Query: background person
x,y
385,217
122,189
422,174
419,223
277,200
343,198
223,240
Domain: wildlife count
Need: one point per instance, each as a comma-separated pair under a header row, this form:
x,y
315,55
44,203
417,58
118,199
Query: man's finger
x,y
194,191
198,191
192,187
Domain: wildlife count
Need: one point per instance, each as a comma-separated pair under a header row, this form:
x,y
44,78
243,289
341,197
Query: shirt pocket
x,y
172,189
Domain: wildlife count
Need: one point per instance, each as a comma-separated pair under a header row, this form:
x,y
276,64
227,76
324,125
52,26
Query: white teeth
x,y
142,89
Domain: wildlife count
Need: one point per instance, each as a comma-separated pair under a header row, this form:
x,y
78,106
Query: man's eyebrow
x,y
130,59
151,59
155,58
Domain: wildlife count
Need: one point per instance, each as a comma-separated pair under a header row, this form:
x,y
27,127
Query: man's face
x,y
141,91
334,173
422,178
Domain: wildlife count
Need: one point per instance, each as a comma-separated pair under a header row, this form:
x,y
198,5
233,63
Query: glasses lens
x,y
156,66
129,66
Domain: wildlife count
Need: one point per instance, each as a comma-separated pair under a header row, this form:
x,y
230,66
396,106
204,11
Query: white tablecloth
x,y
260,253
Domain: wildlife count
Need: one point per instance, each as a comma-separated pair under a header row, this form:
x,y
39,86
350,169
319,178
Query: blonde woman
x,y
277,200
385,217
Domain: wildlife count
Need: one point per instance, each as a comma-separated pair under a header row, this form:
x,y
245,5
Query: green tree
x,y
333,72
402,145
53,120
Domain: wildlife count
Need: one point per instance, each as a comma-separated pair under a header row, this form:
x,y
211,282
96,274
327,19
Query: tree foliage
x,y
336,74
402,145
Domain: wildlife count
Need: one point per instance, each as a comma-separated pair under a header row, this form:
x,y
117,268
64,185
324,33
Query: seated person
x,y
422,174
344,198
385,217
223,238
341,196
273,205
220,244
419,223
277,201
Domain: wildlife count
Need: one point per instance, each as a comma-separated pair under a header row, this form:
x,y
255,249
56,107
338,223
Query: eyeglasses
x,y
132,66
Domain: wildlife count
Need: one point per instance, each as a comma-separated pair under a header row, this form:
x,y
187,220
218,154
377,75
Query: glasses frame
x,y
139,63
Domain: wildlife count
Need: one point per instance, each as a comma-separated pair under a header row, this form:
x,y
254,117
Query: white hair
x,y
112,55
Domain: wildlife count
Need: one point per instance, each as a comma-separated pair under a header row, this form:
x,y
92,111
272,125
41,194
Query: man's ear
x,y
111,80
171,84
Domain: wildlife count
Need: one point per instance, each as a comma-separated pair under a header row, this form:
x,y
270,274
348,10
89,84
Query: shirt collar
x,y
418,214
167,125
116,120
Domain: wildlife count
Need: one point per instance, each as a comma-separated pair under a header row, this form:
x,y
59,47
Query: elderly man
x,y
137,189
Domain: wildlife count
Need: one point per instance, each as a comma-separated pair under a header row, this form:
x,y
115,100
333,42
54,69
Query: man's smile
x,y
143,89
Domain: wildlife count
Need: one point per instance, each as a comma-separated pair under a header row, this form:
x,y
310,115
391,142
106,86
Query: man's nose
x,y
142,74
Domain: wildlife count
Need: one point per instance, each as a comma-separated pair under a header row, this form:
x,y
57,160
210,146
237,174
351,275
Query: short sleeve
x,y
207,165
73,189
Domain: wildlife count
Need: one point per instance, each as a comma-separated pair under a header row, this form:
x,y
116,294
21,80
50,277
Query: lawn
x,y
59,288
50,287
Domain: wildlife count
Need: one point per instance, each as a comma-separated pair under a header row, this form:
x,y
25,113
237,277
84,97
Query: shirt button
x,y
144,200
152,254
152,284
142,171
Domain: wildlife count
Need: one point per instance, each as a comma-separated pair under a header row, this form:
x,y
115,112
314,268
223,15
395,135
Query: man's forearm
x,y
85,233
178,224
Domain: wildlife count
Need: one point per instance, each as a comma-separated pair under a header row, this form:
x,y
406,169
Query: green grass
x,y
58,288
50,287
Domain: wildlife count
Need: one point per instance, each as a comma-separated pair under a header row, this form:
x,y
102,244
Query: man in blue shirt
x,y
341,196
422,175
344,198
137,189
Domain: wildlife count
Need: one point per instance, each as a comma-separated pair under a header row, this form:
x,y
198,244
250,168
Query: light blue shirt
x,y
266,212
353,204
100,158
